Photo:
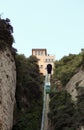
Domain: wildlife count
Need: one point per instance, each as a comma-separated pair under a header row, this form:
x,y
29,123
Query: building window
x,y
38,59
52,60
35,52
48,60
41,52
41,66
38,52
45,60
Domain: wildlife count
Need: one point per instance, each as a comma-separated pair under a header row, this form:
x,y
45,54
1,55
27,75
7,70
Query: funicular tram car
x,y
47,88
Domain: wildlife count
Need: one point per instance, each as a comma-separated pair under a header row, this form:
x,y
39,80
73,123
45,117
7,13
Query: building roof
x,y
39,49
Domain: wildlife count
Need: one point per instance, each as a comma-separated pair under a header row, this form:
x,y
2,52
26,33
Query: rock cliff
x,y
7,89
76,82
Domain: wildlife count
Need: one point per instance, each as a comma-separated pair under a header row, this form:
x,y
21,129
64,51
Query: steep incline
x,y
45,125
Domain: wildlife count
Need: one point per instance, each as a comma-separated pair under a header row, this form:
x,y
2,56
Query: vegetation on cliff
x,y
80,105
6,37
62,111
66,114
6,30
67,67
29,102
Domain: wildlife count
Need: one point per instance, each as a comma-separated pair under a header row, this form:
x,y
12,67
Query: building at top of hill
x,y
43,60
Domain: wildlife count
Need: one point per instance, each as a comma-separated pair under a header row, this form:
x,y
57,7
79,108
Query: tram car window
x,y
47,87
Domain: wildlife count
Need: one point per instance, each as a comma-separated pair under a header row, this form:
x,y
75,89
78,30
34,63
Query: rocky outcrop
x,y
76,82
7,89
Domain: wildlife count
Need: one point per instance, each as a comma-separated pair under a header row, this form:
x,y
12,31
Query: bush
x,y
62,111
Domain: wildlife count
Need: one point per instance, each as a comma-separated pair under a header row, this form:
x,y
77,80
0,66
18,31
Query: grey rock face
x,y
76,81
7,89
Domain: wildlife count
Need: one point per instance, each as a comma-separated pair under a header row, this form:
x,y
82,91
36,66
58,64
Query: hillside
x,y
67,107
67,67
29,98
7,75
75,84
21,94
21,89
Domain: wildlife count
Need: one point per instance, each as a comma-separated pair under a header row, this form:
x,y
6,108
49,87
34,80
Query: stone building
x,y
43,60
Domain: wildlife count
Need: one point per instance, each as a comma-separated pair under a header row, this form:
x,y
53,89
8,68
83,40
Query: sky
x,y
57,25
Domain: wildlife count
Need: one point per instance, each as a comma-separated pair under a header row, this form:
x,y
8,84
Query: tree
x,y
28,94
62,111
80,105
67,67
6,30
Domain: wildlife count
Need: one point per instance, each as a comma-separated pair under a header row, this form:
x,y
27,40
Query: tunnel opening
x,y
49,68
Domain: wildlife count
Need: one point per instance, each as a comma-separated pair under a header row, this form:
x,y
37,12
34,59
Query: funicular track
x,y
44,123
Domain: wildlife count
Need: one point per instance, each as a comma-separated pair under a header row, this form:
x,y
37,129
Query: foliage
x,y
82,53
64,114
80,105
28,94
62,111
31,119
67,67
6,30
